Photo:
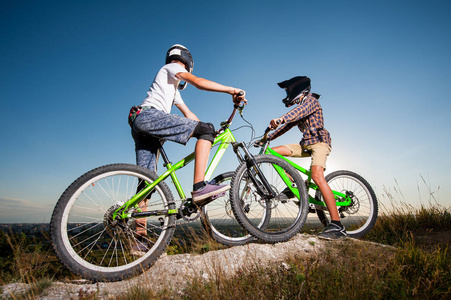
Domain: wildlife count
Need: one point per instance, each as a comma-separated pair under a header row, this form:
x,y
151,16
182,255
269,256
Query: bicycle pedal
x,y
214,197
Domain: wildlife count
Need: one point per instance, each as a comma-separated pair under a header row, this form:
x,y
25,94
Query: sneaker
x,y
332,232
139,249
208,193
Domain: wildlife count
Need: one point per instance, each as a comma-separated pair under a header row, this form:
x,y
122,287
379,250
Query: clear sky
x,y
70,71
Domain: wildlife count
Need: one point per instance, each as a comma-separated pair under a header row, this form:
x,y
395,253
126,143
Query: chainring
x,y
187,209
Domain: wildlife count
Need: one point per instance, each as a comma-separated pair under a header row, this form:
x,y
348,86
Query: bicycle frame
x,y
224,139
341,199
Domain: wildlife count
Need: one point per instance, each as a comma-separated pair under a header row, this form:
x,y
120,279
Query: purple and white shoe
x,y
208,193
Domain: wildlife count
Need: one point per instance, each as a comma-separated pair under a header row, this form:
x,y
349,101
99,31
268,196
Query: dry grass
x,y
414,266
349,269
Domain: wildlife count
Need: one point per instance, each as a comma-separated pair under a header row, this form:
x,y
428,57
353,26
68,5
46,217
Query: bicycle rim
x,y
219,221
359,217
94,245
271,220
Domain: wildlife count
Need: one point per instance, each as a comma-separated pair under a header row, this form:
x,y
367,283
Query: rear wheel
x,y
94,245
360,216
218,219
270,219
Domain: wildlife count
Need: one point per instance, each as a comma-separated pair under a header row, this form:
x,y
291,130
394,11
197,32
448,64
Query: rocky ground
x,y
172,271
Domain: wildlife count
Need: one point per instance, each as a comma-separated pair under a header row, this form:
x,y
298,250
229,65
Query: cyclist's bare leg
x,y
141,224
204,192
202,150
282,150
329,199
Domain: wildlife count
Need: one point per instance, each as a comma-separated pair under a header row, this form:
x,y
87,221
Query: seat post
x,y
163,154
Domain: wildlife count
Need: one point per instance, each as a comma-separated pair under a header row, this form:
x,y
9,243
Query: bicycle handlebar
x,y
241,93
230,119
268,129
264,139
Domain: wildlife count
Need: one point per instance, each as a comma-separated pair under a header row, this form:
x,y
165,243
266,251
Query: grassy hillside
x,y
416,263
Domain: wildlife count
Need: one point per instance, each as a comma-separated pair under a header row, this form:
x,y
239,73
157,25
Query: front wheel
x,y
218,219
274,218
360,216
91,243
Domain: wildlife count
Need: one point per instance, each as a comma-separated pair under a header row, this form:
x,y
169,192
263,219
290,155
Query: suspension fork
x,y
252,165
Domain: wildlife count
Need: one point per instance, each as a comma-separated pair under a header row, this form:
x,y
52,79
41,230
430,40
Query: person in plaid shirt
x,y
316,142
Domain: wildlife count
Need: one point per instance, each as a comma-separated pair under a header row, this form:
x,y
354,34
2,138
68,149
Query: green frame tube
x,y
341,199
224,139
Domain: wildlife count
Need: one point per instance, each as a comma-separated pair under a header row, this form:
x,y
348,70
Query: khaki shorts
x,y
319,152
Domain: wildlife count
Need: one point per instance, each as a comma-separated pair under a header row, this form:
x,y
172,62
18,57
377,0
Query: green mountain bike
x,y
114,221
356,201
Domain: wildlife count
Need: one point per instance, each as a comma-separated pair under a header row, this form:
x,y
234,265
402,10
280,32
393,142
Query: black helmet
x,y
294,87
181,53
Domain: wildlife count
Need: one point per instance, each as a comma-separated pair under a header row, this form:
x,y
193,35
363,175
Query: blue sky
x,y
70,71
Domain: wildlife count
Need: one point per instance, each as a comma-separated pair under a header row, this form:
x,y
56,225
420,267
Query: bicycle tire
x,y
219,221
90,244
285,217
360,217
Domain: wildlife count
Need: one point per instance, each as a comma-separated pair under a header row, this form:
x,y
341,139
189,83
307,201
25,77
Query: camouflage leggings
x,y
151,127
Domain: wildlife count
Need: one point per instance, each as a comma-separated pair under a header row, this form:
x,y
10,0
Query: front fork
x,y
253,169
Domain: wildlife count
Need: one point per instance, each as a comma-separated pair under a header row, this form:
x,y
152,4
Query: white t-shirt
x,y
163,92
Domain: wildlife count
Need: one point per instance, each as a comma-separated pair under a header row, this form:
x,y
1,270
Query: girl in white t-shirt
x,y
155,122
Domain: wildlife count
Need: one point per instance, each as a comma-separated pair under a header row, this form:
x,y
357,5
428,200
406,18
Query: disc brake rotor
x,y
354,207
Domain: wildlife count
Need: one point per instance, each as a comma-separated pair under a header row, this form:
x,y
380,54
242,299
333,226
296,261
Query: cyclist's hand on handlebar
x,y
274,123
239,97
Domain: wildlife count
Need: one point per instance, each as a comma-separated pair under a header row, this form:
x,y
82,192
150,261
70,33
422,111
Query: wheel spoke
x,y
270,218
359,217
99,246
218,219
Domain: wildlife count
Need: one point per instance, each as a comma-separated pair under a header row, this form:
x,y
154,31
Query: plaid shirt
x,y
308,116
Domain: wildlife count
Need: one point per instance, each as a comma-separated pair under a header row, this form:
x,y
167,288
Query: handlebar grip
x,y
241,93
267,130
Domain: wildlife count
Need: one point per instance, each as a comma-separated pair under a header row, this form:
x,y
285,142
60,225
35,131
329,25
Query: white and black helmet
x,y
181,53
